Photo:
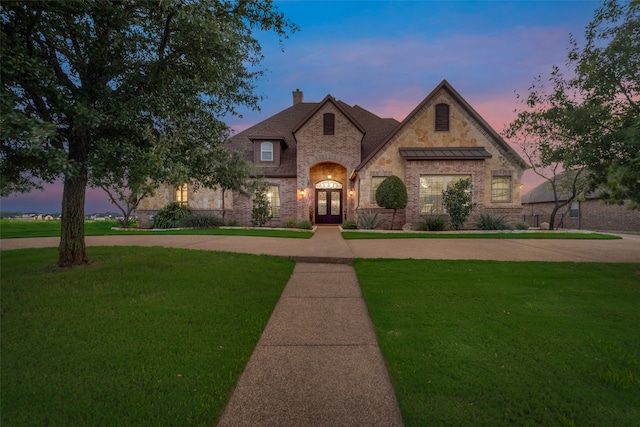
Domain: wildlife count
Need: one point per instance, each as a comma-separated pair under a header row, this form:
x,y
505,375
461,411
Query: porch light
x,y
351,192
302,192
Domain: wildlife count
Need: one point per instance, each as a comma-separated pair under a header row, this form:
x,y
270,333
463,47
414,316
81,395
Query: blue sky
x,y
386,56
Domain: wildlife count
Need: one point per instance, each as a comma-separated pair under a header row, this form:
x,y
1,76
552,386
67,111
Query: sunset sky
x,y
386,56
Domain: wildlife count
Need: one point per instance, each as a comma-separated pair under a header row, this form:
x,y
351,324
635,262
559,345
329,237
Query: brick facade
x,y
592,214
354,147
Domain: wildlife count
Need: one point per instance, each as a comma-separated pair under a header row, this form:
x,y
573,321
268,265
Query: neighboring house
x,y
324,160
584,213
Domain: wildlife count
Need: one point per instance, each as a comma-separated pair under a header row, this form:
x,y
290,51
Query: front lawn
x,y
508,343
478,235
29,228
141,336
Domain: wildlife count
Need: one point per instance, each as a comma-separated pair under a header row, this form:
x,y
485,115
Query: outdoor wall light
x,y
302,192
351,192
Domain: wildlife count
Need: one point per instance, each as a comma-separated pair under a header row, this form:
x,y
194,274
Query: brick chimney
x,y
298,97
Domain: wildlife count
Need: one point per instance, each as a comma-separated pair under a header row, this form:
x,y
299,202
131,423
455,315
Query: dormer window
x,y
442,118
266,151
328,123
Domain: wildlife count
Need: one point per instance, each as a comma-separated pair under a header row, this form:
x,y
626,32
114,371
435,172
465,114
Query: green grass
x,y
508,343
142,336
18,229
489,235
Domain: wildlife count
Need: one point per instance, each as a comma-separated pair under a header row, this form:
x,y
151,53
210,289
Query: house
x,y
584,213
324,160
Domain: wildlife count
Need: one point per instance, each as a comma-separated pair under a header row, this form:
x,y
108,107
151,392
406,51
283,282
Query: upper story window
x,y
266,151
180,195
329,123
442,117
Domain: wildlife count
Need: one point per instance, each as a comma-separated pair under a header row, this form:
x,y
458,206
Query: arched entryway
x,y
328,202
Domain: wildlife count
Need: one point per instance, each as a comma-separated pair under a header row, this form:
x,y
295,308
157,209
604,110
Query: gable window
x,y
266,151
500,188
442,117
180,194
431,188
574,210
273,197
328,123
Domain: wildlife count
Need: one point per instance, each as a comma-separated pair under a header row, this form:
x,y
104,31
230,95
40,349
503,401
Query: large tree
x,y
586,124
607,71
79,77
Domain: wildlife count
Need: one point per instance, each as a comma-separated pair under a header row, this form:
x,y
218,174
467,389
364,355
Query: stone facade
x,y
345,147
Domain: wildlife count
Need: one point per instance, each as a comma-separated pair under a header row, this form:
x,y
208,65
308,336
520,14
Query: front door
x,y
328,206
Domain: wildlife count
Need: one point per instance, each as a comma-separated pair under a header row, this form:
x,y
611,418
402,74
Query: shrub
x,y
432,223
457,201
369,221
130,223
392,194
305,225
522,226
260,213
233,223
200,221
169,216
349,225
290,223
490,222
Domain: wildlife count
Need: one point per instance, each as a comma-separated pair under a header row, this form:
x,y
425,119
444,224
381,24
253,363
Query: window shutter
x,y
442,117
329,123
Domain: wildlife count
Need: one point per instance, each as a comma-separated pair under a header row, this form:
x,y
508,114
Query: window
x,y
574,211
375,183
328,123
442,117
501,189
180,194
431,188
273,197
266,151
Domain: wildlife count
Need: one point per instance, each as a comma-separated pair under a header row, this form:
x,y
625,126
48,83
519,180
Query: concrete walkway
x,y
318,361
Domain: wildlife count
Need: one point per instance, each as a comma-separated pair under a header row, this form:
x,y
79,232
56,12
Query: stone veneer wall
x,y
204,201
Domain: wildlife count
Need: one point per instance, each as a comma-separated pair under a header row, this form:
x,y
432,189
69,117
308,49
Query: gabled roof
x,y
283,125
543,193
449,153
321,104
444,85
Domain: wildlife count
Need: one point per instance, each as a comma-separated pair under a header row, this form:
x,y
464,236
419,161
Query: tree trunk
x,y
72,249
552,218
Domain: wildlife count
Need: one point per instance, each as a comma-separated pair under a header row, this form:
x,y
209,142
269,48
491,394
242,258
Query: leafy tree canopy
x,y
590,119
457,200
87,83
392,194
